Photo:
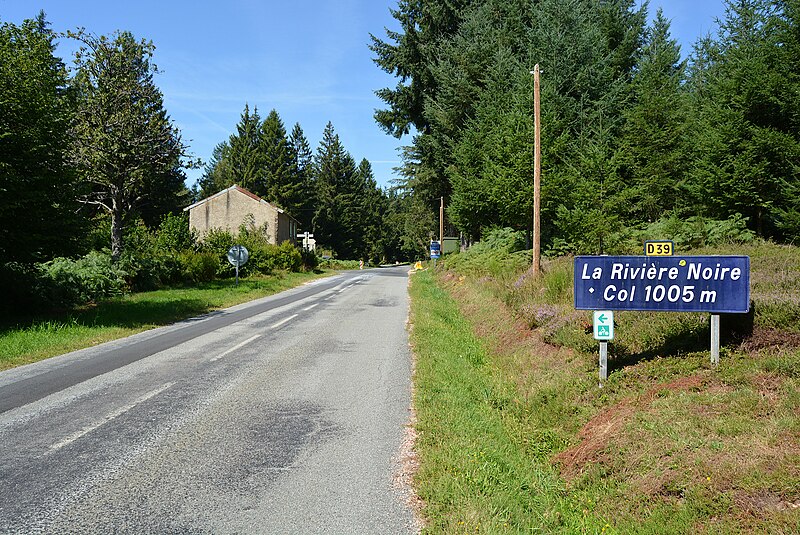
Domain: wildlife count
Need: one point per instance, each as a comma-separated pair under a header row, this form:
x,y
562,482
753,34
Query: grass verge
x,y
31,340
480,469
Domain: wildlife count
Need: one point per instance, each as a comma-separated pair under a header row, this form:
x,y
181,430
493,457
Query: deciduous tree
x,y
124,144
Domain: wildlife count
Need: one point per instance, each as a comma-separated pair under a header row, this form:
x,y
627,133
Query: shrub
x,y
333,263
265,257
288,257
174,234
67,282
218,241
148,264
695,231
502,250
198,266
309,260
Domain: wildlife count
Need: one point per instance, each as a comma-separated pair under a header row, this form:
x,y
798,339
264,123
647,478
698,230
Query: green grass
x,y
34,339
477,473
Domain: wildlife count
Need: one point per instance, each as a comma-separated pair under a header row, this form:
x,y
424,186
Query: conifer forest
x,y
638,137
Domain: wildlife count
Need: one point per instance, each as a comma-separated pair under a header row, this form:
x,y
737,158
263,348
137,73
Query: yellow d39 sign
x,y
659,248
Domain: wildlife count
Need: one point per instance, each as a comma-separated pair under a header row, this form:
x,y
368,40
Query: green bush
x,y
174,234
148,264
334,263
310,261
218,241
198,266
288,257
67,282
502,250
265,257
690,233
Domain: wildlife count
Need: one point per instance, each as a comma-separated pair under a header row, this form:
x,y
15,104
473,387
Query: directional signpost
x,y
603,331
714,284
603,325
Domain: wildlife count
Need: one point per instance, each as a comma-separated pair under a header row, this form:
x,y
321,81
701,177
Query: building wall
x,y
229,210
287,228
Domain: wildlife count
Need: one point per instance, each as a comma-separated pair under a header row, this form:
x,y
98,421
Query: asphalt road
x,y
284,415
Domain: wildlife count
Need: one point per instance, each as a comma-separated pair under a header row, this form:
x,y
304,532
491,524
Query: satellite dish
x,y
238,255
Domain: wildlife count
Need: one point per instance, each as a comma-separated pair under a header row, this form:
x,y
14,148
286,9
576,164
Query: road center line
x,y
310,307
234,348
283,321
119,412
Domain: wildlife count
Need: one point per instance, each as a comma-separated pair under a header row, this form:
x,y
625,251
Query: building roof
x,y
240,190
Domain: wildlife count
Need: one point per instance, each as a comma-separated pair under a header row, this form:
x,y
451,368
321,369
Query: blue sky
x,y
308,59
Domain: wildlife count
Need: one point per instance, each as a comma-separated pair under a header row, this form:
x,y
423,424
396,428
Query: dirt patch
x,y
764,337
596,435
763,501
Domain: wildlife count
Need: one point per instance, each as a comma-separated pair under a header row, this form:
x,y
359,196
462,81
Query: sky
x,y
307,59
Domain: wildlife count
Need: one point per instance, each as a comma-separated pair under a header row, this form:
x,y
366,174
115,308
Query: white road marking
x,y
119,412
310,307
234,348
284,321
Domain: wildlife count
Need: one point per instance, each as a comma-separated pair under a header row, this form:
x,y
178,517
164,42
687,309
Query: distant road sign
x,y
716,284
436,249
603,325
238,255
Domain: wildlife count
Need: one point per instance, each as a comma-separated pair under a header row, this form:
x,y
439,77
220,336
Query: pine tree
x,y
653,155
277,182
245,155
374,206
303,168
747,136
335,172
217,174
38,209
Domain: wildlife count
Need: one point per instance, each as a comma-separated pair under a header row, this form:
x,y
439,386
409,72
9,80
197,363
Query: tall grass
x,y
476,474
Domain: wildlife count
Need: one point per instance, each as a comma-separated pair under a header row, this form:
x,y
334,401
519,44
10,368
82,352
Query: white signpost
x,y
308,241
603,331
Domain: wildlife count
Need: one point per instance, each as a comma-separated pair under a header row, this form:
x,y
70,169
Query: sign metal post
x,y
715,339
603,321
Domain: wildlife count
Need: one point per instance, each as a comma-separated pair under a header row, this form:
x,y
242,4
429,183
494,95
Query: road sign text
x,y
667,283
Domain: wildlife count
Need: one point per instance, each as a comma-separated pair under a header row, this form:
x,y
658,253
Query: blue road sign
x,y
717,284
436,249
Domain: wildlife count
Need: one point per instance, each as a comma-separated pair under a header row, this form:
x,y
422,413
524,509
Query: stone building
x,y
235,206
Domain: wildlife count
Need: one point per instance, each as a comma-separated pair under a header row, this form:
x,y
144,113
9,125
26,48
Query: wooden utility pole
x,y
441,223
537,172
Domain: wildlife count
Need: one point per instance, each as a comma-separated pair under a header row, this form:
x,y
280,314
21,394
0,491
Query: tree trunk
x,y
116,233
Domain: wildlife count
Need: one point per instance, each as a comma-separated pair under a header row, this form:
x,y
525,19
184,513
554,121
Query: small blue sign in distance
x,y
716,284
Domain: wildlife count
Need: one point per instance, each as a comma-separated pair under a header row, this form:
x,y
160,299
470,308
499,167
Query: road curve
x,y
280,416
